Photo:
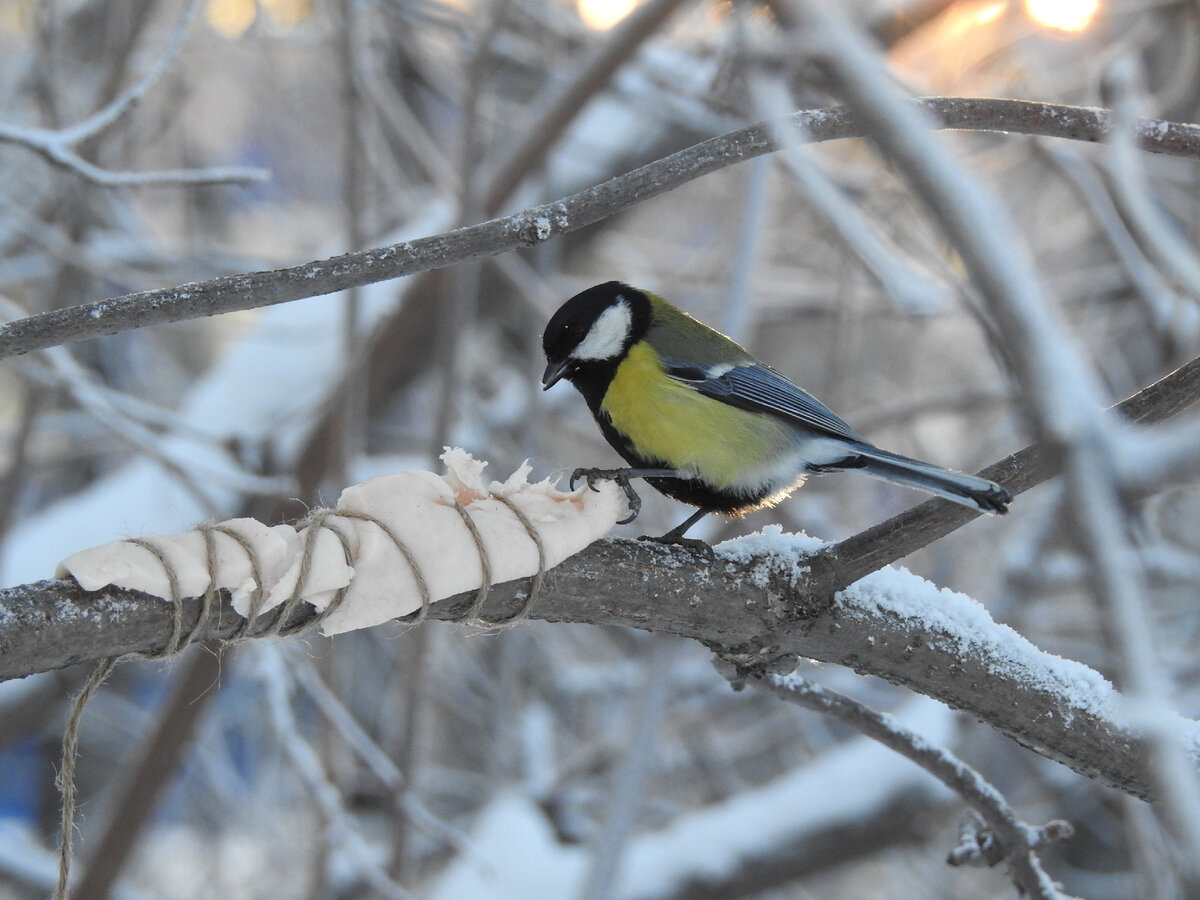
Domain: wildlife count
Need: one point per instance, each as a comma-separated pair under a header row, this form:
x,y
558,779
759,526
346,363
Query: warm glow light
x,y
602,15
287,12
231,17
990,13
1065,15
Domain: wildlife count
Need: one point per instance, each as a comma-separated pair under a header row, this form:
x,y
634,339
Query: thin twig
x,y
252,290
368,750
566,101
125,101
1156,233
341,831
911,290
350,431
1018,840
628,780
456,318
58,145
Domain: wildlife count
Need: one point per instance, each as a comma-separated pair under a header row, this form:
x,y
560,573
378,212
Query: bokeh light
x,y
1063,15
231,18
604,14
991,12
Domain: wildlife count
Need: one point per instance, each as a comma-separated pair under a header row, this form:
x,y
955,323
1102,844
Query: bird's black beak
x,y
555,371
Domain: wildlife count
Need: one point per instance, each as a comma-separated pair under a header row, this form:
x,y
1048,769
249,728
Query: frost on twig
x,y
386,548
978,846
60,146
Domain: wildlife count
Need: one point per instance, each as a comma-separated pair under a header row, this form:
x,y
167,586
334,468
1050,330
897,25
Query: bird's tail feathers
x,y
969,490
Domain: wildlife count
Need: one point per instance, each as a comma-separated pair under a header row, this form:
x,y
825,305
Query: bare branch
x,y
1017,840
561,108
540,223
125,101
1147,468
58,149
340,827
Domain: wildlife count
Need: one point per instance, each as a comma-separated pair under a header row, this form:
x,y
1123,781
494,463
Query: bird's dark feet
x,y
621,477
676,536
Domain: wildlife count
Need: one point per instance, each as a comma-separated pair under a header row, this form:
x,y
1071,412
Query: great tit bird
x,y
703,421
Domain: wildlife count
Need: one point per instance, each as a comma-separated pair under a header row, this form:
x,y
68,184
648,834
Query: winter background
x,y
556,760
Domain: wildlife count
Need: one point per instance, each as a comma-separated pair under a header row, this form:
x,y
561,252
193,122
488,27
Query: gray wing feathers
x,y
759,389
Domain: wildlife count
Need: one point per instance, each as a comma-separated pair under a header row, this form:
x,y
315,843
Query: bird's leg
x,y
621,477
676,534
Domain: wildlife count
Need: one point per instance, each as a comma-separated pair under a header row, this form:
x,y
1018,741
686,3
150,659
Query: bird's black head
x,y
591,333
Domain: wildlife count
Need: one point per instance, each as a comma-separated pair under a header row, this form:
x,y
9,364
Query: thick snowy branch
x,y
540,223
893,625
1062,390
54,624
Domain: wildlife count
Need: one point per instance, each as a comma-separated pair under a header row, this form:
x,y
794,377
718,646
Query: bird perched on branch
x,y
703,421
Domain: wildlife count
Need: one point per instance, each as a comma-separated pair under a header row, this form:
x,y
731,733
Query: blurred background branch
x,y
252,290
463,763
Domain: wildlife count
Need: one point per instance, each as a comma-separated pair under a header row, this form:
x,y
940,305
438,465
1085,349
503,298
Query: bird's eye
x,y
576,333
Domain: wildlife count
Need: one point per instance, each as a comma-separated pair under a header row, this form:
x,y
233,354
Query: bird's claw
x,y
621,477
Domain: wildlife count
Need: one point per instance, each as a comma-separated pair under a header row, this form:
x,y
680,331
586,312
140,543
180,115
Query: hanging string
x,y
66,774
181,639
178,641
70,741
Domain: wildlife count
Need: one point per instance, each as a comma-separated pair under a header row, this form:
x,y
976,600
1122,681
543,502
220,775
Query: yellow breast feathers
x,y
668,421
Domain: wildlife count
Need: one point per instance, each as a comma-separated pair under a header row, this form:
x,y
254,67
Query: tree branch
x,y
1061,390
887,542
53,624
763,625
1015,840
540,223
536,138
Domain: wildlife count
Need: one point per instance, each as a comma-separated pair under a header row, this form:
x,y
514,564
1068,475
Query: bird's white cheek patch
x,y
607,335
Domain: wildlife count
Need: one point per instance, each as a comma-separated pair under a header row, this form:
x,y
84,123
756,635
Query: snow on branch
x,y
755,606
252,290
